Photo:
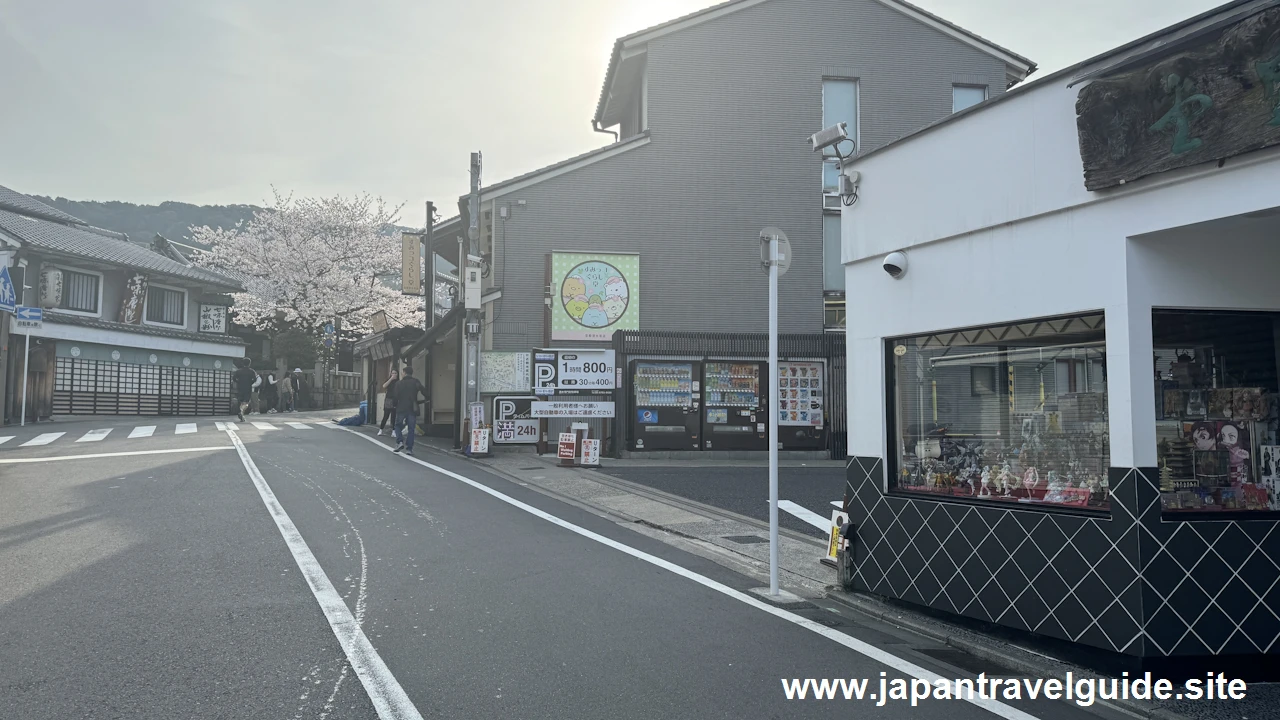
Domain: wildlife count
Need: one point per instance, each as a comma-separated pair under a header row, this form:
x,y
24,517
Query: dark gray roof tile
x,y
27,205
77,242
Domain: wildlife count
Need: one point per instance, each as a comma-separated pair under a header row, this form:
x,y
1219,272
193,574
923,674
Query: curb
x,y
960,641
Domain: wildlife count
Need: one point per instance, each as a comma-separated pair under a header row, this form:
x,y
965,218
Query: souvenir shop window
x,y
1216,411
1008,414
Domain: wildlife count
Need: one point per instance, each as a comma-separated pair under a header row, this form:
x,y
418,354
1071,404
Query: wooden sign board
x,y
1216,98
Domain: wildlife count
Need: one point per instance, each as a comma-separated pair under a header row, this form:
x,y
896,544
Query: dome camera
x,y
895,263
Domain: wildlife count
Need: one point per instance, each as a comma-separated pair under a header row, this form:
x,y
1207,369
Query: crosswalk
x,y
149,431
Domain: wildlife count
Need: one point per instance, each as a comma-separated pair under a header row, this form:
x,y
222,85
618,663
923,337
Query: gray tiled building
x,y
712,112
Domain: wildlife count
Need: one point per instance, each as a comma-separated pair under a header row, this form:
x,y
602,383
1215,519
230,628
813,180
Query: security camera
x,y
895,263
833,135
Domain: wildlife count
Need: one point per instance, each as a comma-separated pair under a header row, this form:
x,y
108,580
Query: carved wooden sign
x,y
135,293
1215,99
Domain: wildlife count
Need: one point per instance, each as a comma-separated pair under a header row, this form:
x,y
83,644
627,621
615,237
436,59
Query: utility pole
x,y
429,287
471,289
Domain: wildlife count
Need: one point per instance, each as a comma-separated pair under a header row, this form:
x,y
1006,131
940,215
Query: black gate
x,y
628,344
101,387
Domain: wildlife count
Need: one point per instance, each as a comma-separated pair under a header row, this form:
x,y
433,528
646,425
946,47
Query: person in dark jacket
x,y
389,411
269,393
244,378
406,398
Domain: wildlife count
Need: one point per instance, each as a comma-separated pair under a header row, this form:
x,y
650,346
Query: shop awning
x,y
441,329
384,344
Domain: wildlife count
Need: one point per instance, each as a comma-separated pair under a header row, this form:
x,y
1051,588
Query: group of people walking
x,y
256,392
401,407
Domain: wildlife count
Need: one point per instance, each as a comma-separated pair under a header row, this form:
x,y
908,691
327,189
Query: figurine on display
x,y
1005,479
1031,479
986,482
1055,483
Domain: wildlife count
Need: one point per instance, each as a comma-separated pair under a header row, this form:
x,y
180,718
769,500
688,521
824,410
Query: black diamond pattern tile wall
x,y
1131,583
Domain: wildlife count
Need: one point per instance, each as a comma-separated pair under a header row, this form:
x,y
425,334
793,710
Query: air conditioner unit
x,y
50,287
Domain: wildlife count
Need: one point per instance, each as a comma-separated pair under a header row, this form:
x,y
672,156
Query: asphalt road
x,y
745,490
160,586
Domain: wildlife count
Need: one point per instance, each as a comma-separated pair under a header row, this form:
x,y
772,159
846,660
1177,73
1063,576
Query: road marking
x,y
838,504
805,514
6,439
300,426
184,428
11,461
44,439
389,699
143,431
95,435
264,426
870,651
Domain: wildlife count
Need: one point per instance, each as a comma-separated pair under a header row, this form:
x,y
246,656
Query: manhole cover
x,y
965,661
746,539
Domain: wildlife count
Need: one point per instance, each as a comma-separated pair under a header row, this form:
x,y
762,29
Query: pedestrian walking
x,y
254,393
389,403
243,379
299,386
286,394
270,392
406,396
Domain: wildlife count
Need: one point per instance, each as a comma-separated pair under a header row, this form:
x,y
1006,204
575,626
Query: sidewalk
x,y
726,537
741,543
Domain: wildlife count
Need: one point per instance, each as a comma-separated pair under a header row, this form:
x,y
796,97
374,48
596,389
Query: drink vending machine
x,y
734,418
666,405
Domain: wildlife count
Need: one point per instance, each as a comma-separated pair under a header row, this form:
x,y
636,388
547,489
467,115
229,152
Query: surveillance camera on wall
x,y
895,263
829,137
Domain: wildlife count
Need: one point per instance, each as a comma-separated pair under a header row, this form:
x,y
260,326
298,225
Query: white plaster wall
x,y
1019,159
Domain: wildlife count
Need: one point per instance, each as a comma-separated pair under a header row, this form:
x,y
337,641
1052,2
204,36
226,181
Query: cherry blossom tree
x,y
307,262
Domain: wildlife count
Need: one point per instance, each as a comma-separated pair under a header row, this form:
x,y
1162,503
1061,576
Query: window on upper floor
x,y
832,268
166,306
840,104
963,96
83,293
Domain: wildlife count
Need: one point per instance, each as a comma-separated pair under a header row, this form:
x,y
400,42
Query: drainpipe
x,y
595,125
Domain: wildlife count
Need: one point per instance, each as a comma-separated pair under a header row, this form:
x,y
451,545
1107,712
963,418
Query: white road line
x,y
184,428
837,503
95,435
44,439
327,424
389,699
870,651
805,514
231,426
220,427
264,426
143,431
300,426
6,439
12,461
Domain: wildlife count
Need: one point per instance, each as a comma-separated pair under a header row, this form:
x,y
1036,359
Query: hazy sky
x,y
214,101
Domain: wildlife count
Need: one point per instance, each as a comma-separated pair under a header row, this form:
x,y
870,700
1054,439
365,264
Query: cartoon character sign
x,y
595,294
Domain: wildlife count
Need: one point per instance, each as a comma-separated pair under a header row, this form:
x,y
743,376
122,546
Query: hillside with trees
x,y
140,222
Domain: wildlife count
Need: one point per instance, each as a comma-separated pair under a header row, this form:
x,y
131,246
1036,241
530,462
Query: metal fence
x,y
630,344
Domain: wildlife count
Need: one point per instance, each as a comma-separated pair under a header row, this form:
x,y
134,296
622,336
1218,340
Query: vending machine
x,y
801,405
666,406
734,415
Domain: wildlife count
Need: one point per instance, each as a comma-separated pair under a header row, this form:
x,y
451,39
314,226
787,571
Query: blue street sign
x,y
28,318
328,329
8,296
328,342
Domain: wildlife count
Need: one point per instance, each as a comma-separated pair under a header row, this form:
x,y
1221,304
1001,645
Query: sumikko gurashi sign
x,y
594,295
